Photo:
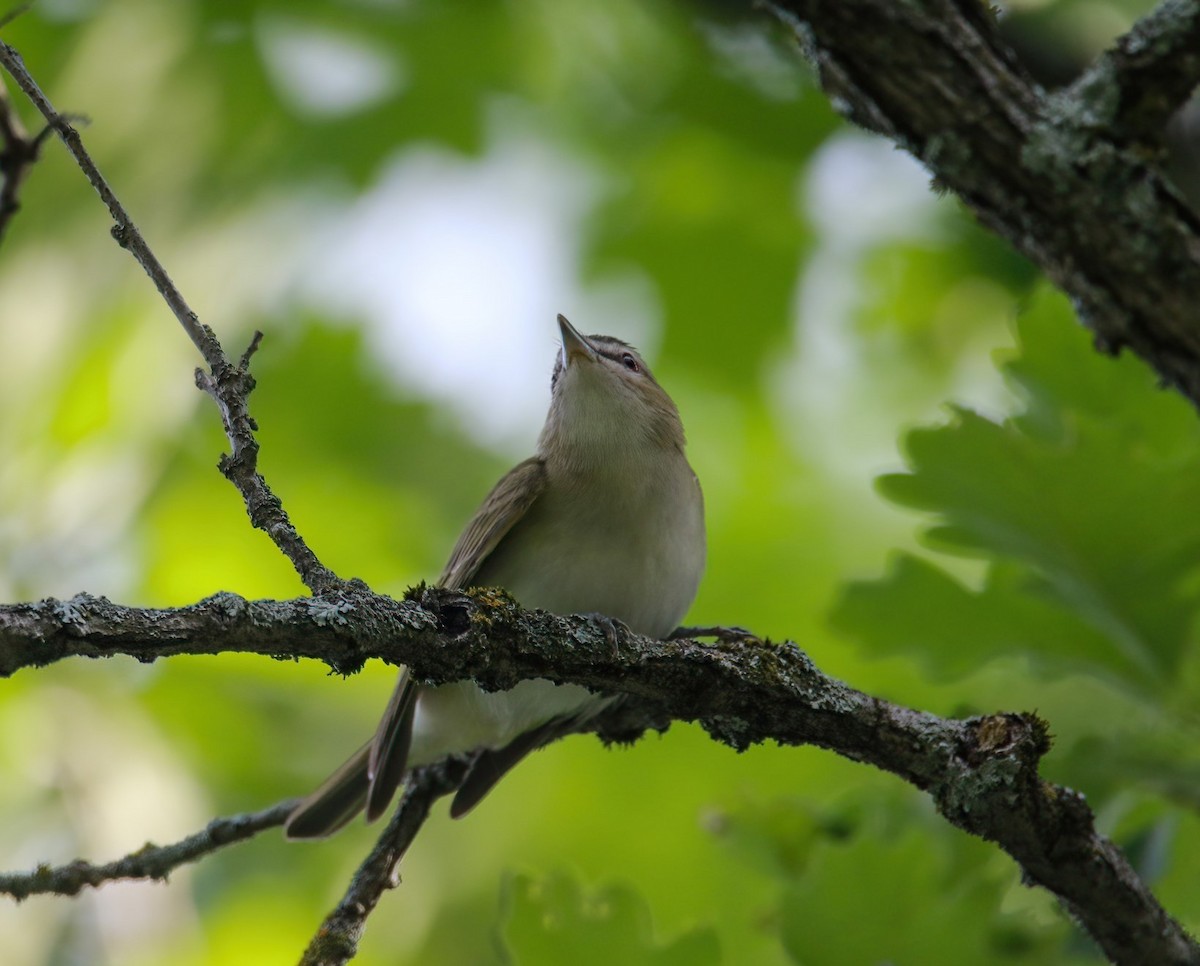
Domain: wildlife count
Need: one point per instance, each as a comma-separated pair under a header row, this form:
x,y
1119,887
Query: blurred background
x,y
915,466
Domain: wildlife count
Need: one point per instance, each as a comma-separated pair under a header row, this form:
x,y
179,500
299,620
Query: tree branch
x,y
1059,177
124,231
1148,74
228,385
148,862
336,942
1054,174
981,772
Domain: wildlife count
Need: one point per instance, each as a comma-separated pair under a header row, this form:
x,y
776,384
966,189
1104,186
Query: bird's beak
x,y
574,345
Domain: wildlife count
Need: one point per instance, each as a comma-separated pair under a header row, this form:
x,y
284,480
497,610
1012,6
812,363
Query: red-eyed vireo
x,y
606,519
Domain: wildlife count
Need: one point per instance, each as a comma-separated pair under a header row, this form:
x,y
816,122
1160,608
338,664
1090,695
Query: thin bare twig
x,y
148,862
228,385
124,230
983,772
336,941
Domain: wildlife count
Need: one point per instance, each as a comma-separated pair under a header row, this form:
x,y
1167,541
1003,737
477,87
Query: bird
x,y
606,519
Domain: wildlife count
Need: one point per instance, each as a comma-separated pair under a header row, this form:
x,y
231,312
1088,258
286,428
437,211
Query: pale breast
x,y
631,548
634,552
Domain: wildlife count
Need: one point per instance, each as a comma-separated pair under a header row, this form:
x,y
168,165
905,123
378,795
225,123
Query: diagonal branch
x,y
124,231
982,773
1052,174
336,942
148,862
1056,175
1149,73
227,384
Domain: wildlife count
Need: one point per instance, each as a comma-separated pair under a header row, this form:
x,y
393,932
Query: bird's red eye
x,y
630,363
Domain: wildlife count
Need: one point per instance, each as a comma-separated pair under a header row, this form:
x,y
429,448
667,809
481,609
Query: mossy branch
x,y
981,772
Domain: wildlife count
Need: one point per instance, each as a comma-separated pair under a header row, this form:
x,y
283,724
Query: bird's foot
x,y
613,629
726,635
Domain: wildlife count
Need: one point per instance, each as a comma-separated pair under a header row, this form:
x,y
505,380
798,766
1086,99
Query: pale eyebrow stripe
x,y
610,348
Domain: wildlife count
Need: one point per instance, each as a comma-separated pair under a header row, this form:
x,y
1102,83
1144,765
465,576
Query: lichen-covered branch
x,y
327,628
148,862
1069,178
1149,73
981,772
229,385
336,942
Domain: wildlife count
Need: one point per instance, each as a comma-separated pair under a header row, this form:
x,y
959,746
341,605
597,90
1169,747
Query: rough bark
x,y
981,772
1071,178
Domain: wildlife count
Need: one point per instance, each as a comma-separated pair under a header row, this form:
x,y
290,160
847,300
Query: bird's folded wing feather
x,y
509,500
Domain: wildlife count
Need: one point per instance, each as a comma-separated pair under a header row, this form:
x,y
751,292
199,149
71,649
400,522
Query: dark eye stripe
x,y
622,358
614,350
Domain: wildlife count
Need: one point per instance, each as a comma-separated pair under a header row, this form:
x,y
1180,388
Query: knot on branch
x,y
993,770
452,609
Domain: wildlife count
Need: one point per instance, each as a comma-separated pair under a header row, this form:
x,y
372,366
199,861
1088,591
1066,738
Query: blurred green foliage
x,y
808,303
549,920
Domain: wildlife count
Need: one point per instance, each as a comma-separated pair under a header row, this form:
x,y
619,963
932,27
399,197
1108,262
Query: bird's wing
x,y
388,757
508,502
492,764
339,799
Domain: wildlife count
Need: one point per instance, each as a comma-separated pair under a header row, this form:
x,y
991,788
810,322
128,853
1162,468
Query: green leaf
x,y
919,609
874,879
551,920
776,836
1084,507
1166,761
901,902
